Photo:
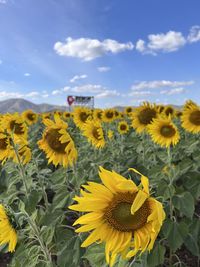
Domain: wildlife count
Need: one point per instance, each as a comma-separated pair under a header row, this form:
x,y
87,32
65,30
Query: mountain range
x,y
19,105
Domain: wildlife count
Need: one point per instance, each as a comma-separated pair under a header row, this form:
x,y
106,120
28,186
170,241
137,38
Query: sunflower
x,y
117,114
24,151
124,216
57,143
128,110
191,119
5,147
108,115
94,132
169,111
164,132
123,127
14,124
188,104
81,115
46,115
97,114
143,116
66,115
8,234
160,108
30,117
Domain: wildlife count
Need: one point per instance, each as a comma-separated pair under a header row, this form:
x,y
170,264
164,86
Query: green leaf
x,y
175,233
156,256
96,255
184,203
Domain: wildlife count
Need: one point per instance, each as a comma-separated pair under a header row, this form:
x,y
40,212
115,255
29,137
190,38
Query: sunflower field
x,y
97,188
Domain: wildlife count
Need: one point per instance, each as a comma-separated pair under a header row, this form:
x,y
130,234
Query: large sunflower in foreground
x,y
143,116
123,127
94,132
191,119
8,234
5,147
81,115
189,104
121,214
14,124
29,116
164,132
57,143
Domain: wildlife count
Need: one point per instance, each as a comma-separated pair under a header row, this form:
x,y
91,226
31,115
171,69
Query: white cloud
x,y
140,93
27,74
32,94
107,93
66,89
88,88
159,84
56,92
173,91
88,49
161,42
103,69
194,35
45,95
5,94
3,1
78,77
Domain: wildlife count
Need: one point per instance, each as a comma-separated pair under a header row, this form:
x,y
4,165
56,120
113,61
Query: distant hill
x,y
19,105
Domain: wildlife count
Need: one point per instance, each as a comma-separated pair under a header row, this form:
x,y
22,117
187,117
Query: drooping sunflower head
x,y
14,124
123,127
191,119
94,132
108,115
24,151
143,116
58,144
30,117
8,234
81,115
97,114
164,132
124,216
169,111
5,147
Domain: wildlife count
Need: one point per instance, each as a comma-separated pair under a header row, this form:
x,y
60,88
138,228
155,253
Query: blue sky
x,y
122,52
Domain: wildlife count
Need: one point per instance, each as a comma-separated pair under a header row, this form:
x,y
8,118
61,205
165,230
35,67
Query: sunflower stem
x,y
170,199
37,234
21,167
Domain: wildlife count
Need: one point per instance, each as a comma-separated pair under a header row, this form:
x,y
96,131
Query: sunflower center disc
x,y
109,114
83,116
119,216
53,140
3,143
31,116
96,134
169,111
123,127
167,131
99,115
195,117
16,127
146,116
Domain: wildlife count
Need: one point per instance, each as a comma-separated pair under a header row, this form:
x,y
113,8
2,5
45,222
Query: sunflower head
x,y
30,117
123,127
5,147
143,116
14,124
169,111
108,115
124,216
97,115
81,115
66,115
164,132
8,234
57,143
94,132
191,119
128,110
189,104
110,134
